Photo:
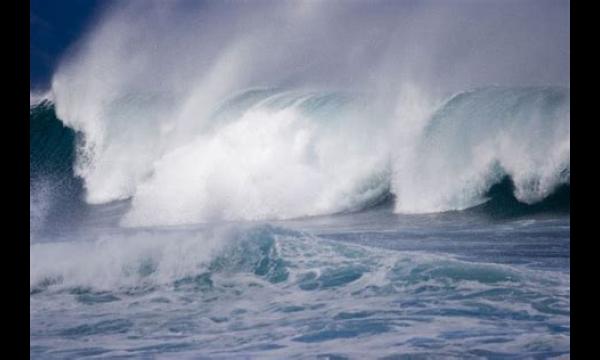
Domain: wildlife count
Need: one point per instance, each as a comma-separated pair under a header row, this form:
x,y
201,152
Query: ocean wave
x,y
148,260
192,121
55,193
274,154
477,138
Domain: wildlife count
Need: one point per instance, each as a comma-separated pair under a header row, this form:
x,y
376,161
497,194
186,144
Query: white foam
x,y
265,165
113,262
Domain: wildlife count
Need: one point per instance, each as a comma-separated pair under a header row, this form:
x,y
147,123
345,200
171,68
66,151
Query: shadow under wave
x,y
502,202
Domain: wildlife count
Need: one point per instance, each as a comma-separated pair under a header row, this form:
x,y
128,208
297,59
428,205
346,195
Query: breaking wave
x,y
274,154
323,122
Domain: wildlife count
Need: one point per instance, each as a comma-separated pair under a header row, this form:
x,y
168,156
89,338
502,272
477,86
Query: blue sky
x,y
54,26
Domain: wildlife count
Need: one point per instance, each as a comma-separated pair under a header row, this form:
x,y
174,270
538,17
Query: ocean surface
x,y
368,285
490,280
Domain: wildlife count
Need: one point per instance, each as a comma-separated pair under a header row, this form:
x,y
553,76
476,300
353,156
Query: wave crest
x,y
477,138
274,154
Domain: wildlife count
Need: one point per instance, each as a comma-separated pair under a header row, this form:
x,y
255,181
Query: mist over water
x,y
305,179
143,87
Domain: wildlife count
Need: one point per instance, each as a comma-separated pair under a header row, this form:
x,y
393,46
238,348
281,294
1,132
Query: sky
x,y
54,26
466,42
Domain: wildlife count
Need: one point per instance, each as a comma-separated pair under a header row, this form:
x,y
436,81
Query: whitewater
x,y
304,180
